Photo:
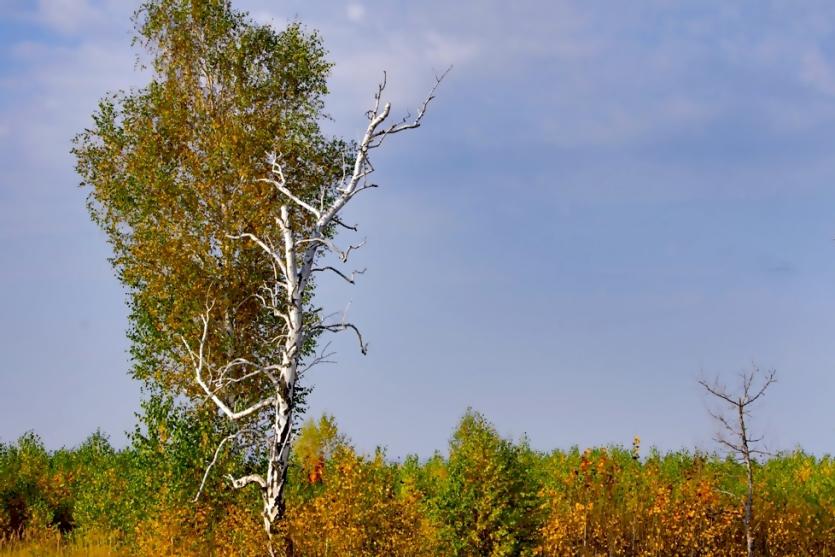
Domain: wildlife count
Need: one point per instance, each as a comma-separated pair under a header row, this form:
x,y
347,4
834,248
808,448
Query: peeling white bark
x,y
293,257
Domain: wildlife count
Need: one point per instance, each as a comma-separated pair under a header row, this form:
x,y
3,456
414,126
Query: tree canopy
x,y
219,194
172,169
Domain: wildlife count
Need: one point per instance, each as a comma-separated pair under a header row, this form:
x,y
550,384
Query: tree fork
x,y
736,437
292,255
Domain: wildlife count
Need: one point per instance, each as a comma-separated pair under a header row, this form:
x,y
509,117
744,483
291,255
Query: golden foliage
x,y
603,507
593,503
360,512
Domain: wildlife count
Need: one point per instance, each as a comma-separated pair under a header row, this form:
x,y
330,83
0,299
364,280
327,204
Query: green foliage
x,y
49,490
172,171
488,502
316,443
490,496
89,467
23,468
169,455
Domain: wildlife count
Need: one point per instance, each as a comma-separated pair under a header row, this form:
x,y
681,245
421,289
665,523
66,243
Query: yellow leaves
x,y
591,503
164,166
648,513
804,473
358,513
580,507
162,433
612,513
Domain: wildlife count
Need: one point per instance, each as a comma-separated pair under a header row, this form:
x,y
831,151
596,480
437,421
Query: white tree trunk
x,y
293,256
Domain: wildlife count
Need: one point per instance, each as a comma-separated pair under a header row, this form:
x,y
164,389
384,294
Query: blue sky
x,y
608,201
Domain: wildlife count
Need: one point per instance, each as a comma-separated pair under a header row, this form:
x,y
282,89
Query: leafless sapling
x,y
735,434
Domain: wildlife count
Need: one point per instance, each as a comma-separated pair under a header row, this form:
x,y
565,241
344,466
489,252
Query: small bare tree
x,y
306,226
734,433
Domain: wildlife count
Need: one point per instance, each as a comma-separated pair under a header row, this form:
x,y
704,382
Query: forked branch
x,y
735,435
294,253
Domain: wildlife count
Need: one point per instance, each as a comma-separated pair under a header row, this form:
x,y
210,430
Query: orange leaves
x,y
314,476
589,503
359,513
607,503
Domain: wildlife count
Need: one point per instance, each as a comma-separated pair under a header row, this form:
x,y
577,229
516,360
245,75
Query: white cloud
x,y
52,99
66,16
355,12
448,51
265,17
817,72
409,63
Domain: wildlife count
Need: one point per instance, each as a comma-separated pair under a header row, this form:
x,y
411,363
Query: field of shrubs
x,y
488,496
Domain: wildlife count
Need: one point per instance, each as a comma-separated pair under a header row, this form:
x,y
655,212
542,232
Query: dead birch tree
x,y
735,434
304,247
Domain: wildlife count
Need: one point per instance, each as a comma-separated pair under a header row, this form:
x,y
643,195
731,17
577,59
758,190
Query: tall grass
x,y
52,544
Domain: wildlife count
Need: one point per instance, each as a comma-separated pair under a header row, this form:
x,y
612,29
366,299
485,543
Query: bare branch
x,y
722,420
224,382
358,190
744,449
770,378
214,460
718,391
269,250
331,246
293,256
353,228
199,361
339,327
347,278
281,184
404,124
722,441
290,195
377,96
344,256
321,358
244,481
728,493
269,401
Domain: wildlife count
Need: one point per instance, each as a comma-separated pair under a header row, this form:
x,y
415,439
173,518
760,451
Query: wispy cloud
x,y
69,16
355,12
614,149
58,92
818,72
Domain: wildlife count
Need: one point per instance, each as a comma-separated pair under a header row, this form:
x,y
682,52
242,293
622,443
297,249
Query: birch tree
x,y
735,433
222,199
304,247
172,167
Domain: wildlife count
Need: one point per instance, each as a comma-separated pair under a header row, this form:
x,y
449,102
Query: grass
x,y
51,545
